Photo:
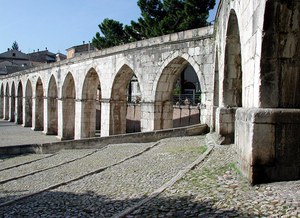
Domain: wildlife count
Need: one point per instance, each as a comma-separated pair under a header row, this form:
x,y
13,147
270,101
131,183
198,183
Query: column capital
x,y
105,100
84,100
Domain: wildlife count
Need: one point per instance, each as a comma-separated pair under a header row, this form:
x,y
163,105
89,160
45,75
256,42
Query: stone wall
x,y
71,85
265,126
186,116
182,116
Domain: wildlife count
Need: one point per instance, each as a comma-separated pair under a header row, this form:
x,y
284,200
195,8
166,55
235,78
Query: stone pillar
x,y
213,119
105,117
46,114
66,118
85,119
1,106
60,118
207,110
19,110
163,115
24,112
15,113
147,116
6,107
39,113
79,120
12,108
27,111
50,116
117,117
225,123
267,144
33,127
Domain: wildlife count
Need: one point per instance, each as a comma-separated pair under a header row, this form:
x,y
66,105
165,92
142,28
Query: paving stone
x,y
13,161
215,188
45,163
219,190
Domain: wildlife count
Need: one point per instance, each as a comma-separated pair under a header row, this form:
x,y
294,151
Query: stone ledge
x,y
97,143
268,115
193,34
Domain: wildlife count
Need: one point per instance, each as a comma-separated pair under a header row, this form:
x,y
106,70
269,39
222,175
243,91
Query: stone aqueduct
x,y
247,64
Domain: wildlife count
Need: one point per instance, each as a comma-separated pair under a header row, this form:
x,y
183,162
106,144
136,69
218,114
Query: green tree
x,y
169,16
112,34
148,25
15,46
158,17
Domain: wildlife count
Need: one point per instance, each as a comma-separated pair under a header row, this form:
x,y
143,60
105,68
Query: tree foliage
x,y
113,34
15,46
158,17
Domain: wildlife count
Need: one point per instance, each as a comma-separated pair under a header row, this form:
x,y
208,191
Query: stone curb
x,y
28,162
168,184
53,167
98,143
214,139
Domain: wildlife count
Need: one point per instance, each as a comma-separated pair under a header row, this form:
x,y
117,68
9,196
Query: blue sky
x,y
59,24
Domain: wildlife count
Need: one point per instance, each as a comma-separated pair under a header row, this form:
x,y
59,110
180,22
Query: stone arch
x,y
68,106
6,103
1,101
232,84
163,117
280,56
119,97
52,107
28,105
20,103
190,60
12,102
39,105
91,108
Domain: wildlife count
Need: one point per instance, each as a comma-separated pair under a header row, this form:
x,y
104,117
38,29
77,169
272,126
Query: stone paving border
x,y
168,184
28,162
38,171
79,178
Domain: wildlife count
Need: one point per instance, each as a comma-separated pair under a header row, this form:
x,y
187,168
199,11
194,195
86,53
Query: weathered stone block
x,y
267,142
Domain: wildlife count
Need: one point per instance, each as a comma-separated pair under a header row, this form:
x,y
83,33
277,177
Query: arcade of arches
x,y
245,86
125,114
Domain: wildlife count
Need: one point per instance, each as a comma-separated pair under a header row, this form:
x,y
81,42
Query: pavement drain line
x,y
168,184
28,162
49,168
78,178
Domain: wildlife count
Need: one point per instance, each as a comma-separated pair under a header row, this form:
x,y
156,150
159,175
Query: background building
x,y
14,60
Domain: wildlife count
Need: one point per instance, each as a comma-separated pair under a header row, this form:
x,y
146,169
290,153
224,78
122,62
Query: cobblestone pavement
x,y
13,134
103,183
216,189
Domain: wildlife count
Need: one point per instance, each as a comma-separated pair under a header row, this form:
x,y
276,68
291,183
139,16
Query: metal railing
x,y
187,99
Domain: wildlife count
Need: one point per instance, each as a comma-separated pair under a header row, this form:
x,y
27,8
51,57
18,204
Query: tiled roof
x,y
14,54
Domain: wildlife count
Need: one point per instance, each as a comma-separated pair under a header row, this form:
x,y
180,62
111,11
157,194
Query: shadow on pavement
x,y
63,204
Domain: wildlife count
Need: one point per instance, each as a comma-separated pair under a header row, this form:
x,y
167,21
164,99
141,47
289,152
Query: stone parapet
x,y
98,143
193,34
